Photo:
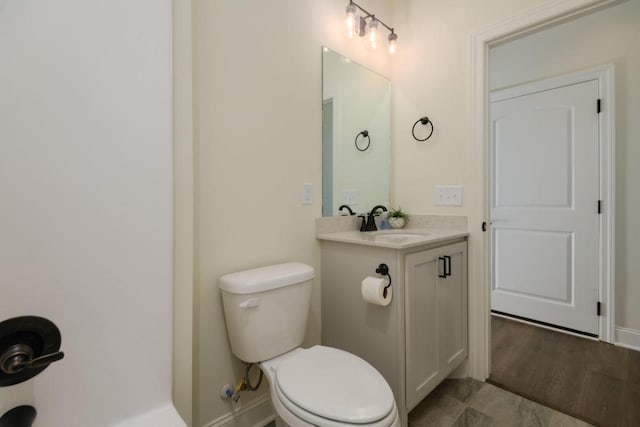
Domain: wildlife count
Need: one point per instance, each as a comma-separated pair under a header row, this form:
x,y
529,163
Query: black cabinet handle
x,y
446,266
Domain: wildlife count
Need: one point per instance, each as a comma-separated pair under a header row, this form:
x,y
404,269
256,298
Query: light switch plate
x,y
449,195
307,193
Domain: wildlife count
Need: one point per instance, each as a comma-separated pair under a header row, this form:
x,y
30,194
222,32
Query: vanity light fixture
x,y
368,24
393,38
373,32
351,20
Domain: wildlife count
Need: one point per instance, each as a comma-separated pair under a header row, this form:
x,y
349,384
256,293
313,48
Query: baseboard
x,y
628,338
461,371
255,414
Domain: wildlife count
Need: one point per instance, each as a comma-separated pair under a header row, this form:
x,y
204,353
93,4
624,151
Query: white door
x,y
544,205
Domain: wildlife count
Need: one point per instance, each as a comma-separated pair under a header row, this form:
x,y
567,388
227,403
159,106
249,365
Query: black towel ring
x,y
424,121
365,134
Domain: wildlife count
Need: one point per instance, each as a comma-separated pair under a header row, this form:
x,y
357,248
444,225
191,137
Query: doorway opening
x,y
527,23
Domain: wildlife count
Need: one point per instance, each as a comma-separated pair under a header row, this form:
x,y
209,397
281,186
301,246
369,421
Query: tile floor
x,y
467,402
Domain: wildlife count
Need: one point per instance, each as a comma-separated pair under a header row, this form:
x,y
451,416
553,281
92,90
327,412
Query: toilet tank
x,y
266,309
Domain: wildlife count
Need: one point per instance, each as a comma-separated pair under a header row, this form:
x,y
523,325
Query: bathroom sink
x,y
397,237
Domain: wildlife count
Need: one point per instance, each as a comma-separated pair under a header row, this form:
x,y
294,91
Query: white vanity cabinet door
x,y
453,310
435,316
421,323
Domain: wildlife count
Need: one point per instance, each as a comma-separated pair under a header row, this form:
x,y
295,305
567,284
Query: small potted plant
x,y
397,218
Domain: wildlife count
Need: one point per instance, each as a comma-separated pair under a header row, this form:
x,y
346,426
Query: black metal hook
x,y
365,134
423,121
383,269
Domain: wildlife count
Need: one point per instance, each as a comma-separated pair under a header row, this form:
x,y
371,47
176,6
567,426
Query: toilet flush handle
x,y
250,303
20,356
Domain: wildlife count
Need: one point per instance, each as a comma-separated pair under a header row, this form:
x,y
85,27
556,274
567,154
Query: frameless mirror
x,y
356,135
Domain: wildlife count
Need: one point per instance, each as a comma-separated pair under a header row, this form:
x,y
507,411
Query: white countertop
x,y
394,239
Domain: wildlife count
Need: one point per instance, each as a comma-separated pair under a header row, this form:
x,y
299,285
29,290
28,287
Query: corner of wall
x,y
183,196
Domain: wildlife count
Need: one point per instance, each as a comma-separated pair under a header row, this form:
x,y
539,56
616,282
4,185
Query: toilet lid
x,y
335,385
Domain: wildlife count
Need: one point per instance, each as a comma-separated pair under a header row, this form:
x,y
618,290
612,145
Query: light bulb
x,y
393,40
373,32
351,20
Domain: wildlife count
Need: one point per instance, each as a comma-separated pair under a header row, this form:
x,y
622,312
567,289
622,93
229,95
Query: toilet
x,y
266,311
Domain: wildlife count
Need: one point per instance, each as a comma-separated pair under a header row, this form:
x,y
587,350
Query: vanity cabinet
x,y
417,340
435,317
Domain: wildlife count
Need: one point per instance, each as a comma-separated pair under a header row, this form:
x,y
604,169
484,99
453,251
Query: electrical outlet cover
x,y
448,195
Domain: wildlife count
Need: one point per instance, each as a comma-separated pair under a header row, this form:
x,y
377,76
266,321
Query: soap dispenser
x,y
384,222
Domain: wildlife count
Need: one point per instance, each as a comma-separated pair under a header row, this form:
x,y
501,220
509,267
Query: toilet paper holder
x,y
383,269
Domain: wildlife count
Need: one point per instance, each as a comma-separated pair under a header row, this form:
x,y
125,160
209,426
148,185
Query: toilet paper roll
x,y
372,290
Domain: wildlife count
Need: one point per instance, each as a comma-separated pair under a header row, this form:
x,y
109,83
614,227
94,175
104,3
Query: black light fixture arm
x,y
362,9
371,15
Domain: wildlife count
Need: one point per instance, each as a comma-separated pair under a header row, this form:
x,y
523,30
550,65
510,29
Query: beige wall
x,y
432,77
608,36
257,130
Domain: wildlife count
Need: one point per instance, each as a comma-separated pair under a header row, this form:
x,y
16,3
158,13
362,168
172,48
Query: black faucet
x,y
370,225
363,224
347,208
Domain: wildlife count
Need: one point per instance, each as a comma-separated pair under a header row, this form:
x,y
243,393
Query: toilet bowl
x,y
266,310
324,386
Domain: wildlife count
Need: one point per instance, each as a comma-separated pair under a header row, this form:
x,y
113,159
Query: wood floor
x,y
594,381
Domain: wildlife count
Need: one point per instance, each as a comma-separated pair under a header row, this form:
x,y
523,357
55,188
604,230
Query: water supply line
x,y
247,381
233,393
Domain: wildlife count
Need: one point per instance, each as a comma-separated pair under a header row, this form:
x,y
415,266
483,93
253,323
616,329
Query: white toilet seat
x,y
324,386
313,420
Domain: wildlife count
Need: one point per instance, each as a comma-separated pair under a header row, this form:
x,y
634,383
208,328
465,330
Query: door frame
x,y
524,23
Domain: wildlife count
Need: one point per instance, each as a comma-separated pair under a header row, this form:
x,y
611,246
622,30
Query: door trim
x,y
479,283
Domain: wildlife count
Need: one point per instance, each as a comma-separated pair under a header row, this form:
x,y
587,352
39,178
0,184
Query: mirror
x,y
356,135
